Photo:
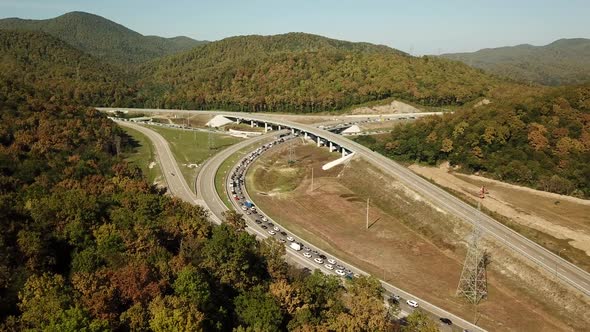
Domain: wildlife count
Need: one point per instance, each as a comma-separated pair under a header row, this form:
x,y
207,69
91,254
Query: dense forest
x,y
565,61
38,66
102,38
88,245
541,142
299,72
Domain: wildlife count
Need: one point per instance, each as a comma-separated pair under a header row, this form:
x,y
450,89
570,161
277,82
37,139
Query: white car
x,y
271,232
412,303
290,238
276,229
306,254
329,266
244,207
331,261
264,219
340,273
318,260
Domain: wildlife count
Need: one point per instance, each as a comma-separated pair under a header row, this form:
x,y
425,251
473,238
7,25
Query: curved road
x,y
209,199
552,263
549,261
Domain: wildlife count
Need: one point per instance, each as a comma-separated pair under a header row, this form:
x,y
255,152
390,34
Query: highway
x,y
550,262
547,260
175,182
390,290
209,199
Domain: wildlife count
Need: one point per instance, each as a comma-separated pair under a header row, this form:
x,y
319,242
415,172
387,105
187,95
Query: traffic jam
x,y
237,190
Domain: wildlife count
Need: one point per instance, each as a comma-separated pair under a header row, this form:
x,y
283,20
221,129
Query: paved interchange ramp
x,y
568,272
209,199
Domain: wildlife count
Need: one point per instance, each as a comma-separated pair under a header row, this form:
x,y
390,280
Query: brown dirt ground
x,y
408,242
563,217
382,125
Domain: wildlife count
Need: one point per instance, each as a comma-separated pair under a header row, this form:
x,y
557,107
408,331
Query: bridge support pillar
x,y
319,142
344,152
238,120
265,127
292,131
331,146
279,128
305,135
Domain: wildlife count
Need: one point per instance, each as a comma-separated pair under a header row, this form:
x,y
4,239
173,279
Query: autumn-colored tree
x,y
137,283
174,314
235,220
536,136
42,300
418,321
286,295
273,252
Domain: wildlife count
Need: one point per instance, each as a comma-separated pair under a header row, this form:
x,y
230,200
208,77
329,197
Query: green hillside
x,y
565,61
104,39
303,72
37,65
540,140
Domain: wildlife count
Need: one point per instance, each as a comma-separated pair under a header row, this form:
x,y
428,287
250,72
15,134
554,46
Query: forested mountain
x,y
302,72
104,39
541,140
37,65
565,61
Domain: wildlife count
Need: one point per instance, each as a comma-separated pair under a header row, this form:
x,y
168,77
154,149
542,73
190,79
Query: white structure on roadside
x,y
218,121
351,130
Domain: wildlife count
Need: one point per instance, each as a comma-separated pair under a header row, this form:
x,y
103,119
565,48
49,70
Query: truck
x,y
249,204
295,246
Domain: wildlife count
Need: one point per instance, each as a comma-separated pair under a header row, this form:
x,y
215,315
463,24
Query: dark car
x,y
264,227
446,321
284,233
323,256
258,221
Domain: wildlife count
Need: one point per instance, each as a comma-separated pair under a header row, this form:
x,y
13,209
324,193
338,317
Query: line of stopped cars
x,y
237,190
236,187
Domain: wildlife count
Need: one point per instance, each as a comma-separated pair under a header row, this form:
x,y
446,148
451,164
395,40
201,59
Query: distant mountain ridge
x,y
102,38
39,66
562,62
305,72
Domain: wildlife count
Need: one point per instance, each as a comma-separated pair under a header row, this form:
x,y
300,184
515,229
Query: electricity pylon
x,y
473,282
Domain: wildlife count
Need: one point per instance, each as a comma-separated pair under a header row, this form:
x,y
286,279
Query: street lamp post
x,y
557,262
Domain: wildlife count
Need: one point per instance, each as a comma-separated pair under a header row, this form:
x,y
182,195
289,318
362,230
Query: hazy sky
x,y
419,27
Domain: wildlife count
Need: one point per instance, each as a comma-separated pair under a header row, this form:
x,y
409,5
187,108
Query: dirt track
x,y
561,216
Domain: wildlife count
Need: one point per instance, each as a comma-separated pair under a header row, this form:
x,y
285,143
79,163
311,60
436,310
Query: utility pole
x,y
291,151
367,212
557,262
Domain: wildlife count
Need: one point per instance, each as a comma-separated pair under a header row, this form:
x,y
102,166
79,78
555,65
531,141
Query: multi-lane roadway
x,y
550,262
209,199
